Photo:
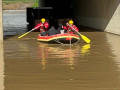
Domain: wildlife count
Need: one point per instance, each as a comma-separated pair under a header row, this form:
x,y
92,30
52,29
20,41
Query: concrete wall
x,y
1,28
1,67
99,14
1,51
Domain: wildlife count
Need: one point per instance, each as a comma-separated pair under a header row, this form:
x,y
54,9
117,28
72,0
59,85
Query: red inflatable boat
x,y
59,38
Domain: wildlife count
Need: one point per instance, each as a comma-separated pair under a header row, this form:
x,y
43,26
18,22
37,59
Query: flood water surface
x,y
32,65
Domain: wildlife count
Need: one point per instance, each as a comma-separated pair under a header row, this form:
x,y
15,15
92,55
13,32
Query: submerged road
x,y
32,65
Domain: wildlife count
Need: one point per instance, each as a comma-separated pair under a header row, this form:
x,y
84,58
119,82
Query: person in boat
x,y
61,28
70,27
52,31
43,26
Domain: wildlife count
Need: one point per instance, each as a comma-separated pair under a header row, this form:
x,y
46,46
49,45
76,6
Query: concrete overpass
x,y
98,14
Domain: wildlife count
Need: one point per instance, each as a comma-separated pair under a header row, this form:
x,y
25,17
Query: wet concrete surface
x,y
32,65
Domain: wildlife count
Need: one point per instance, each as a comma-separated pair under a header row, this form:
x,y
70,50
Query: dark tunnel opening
x,y
95,14
54,11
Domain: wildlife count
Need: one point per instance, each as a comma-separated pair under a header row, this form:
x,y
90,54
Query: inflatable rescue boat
x,y
59,38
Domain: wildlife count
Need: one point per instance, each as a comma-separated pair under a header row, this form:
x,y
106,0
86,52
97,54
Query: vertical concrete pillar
x,y
1,51
1,27
1,67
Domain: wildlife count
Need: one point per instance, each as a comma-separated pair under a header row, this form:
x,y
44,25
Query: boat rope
x,y
56,40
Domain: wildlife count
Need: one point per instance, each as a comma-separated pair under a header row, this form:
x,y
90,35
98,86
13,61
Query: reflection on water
x,y
114,42
68,55
31,65
85,49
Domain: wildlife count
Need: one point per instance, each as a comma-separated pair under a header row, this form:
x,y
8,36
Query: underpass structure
x,y
103,15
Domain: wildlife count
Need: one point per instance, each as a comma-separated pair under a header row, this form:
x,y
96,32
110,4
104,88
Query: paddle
x,y
26,33
87,40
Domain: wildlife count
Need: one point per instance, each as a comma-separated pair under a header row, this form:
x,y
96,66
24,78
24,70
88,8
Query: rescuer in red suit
x,y
70,27
44,26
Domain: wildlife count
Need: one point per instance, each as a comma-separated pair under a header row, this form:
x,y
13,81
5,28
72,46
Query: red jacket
x,y
71,27
44,27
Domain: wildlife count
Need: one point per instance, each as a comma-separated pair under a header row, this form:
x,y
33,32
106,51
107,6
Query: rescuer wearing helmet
x,y
43,25
70,27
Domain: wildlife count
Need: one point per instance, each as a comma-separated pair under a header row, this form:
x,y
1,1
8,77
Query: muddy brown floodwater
x,y
32,65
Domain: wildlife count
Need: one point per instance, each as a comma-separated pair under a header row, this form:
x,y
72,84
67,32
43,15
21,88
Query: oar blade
x,y
87,40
